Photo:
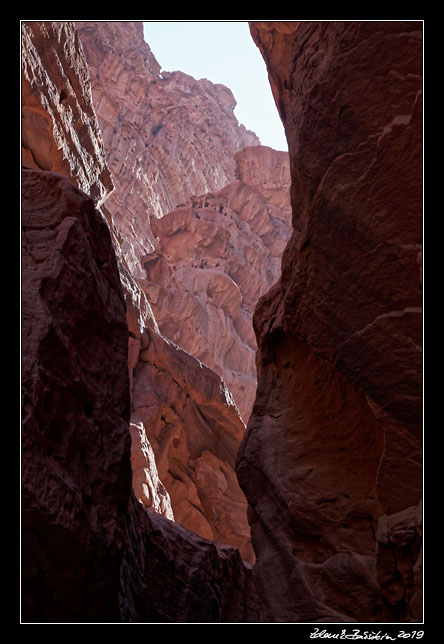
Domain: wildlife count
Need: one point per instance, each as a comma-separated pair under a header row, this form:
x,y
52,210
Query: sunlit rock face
x,y
331,461
167,135
215,257
59,126
185,412
275,42
185,431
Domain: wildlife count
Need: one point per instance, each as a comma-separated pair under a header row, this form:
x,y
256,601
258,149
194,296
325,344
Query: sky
x,y
222,52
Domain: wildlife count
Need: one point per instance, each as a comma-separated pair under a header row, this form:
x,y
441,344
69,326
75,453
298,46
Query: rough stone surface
x,y
275,41
171,575
59,126
140,64
331,461
186,414
168,136
90,551
333,447
215,257
75,406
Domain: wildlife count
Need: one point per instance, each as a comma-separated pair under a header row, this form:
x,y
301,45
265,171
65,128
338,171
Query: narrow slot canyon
x,y
221,341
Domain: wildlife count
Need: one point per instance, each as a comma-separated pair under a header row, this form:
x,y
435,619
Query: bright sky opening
x,y
222,52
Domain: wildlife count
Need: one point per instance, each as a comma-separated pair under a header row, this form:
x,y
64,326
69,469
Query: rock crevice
x,y
151,224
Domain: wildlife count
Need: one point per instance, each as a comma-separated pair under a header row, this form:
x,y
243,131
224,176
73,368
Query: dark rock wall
x,y
333,448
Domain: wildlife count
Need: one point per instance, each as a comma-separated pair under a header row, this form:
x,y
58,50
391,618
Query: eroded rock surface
x,y
215,257
197,403
91,552
189,418
129,58
333,447
171,575
167,135
331,461
275,42
75,441
59,128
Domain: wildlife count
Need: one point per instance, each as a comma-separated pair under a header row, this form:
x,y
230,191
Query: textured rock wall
x,y
85,538
90,551
215,256
171,575
187,415
59,126
331,461
75,407
168,135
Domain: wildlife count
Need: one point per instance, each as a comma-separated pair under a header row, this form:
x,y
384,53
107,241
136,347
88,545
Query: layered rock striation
x,y
215,257
90,552
196,446
187,415
168,135
59,125
121,426
331,461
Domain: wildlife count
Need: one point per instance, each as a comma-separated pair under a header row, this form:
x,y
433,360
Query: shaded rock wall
x,y
90,551
171,575
331,461
75,407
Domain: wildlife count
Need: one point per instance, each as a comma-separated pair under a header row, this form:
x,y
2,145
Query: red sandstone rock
x,y
275,42
215,257
167,135
171,575
174,137
148,487
75,408
330,460
59,126
188,416
332,454
90,552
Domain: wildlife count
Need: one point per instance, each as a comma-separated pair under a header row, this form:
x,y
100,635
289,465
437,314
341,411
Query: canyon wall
x,y
196,426
168,136
90,552
59,125
124,431
331,461
215,257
